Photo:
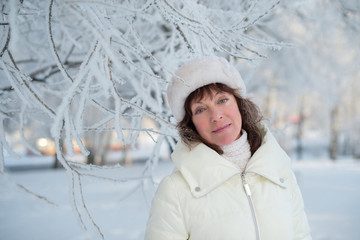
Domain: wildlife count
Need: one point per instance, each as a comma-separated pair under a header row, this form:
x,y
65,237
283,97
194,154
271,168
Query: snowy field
x,y
331,193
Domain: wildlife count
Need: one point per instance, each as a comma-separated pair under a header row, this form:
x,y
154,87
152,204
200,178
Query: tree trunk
x,y
91,157
355,112
334,133
300,130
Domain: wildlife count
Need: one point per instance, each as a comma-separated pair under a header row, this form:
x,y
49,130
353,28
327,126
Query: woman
x,y
231,180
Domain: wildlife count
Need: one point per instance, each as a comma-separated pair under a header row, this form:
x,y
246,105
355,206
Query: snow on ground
x,y
330,192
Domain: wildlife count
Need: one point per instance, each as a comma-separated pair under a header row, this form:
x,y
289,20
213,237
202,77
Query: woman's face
x,y
217,118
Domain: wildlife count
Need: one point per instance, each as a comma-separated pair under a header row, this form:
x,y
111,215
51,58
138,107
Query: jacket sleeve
x,y
166,218
301,225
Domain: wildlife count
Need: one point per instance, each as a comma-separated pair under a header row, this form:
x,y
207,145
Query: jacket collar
x,y
204,169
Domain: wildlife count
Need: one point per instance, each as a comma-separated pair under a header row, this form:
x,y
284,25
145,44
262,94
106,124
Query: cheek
x,y
200,124
197,122
236,116
239,118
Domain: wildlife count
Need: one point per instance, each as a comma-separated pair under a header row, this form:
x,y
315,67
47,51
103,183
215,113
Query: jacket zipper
x,y
248,194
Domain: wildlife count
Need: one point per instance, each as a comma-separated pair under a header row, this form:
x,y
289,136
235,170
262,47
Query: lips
x,y
222,128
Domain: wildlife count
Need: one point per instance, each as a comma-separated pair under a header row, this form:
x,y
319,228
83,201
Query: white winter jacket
x,y
208,198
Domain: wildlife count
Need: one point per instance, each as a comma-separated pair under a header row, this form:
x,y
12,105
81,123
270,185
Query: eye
x,y
223,100
199,110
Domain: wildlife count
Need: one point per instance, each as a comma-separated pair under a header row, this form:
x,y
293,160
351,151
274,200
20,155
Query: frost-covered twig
x,y
36,195
261,15
6,45
106,47
2,138
89,216
146,130
2,160
73,198
23,88
104,172
52,43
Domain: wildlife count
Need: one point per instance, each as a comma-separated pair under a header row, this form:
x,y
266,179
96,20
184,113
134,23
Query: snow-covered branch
x,y
79,67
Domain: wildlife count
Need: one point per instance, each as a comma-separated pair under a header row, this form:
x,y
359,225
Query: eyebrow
x,y
211,97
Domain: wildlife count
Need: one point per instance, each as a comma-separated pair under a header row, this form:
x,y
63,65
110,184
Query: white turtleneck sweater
x,y
238,152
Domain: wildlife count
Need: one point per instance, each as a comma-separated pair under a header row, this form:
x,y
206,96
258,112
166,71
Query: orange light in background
x,y
45,146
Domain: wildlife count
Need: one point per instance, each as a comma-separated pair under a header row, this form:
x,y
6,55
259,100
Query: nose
x,y
215,115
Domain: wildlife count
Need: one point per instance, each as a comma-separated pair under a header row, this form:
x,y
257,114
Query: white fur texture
x,y
198,73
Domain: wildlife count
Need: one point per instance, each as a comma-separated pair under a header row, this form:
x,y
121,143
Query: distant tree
x,y
318,76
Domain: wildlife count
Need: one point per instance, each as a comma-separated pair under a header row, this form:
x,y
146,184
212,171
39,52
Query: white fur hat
x,y
198,73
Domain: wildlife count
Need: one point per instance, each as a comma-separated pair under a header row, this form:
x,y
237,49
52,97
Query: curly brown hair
x,y
250,114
